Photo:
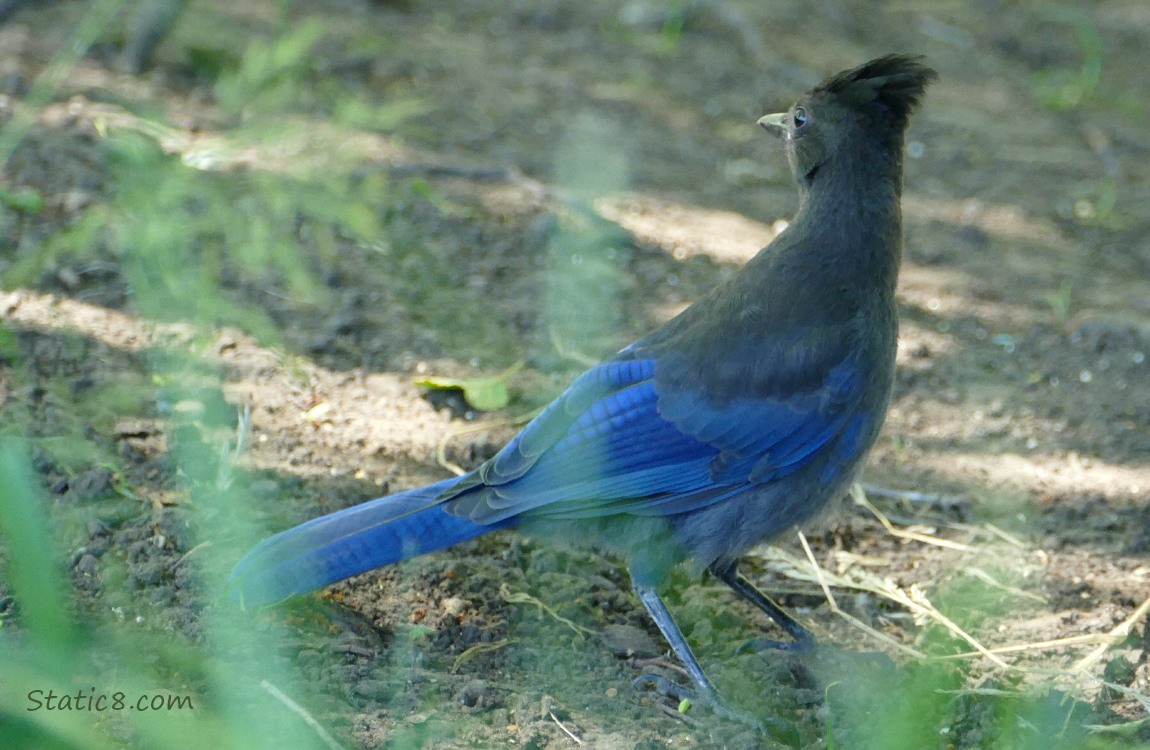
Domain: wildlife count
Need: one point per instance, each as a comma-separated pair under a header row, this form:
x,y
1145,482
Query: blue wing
x,y
618,441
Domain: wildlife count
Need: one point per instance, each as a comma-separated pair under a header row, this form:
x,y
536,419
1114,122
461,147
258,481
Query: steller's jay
x,y
743,416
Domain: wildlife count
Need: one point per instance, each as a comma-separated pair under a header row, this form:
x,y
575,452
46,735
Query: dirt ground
x,y
485,183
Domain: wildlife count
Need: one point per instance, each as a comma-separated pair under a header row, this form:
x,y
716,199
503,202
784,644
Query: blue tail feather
x,y
352,541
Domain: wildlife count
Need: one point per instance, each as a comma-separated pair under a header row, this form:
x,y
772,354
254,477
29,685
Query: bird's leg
x,y
803,642
662,617
704,691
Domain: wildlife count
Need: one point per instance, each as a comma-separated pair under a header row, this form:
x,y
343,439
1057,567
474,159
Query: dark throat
x,y
852,207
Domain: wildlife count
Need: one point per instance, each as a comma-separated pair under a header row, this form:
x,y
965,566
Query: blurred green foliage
x,y
1066,88
183,236
194,237
270,74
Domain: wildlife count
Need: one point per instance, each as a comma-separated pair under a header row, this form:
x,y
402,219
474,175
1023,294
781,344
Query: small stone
x,y
453,606
628,641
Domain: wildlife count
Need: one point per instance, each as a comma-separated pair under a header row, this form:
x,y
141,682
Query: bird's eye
x,y
799,118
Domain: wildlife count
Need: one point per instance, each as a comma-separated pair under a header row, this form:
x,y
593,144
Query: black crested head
x,y
892,85
857,116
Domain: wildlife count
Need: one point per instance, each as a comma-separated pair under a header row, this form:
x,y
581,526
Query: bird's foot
x,y
685,696
665,687
802,646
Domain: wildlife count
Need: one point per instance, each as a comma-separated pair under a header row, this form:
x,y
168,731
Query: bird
x,y
745,415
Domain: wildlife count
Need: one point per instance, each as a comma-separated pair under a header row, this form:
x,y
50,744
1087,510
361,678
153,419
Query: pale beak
x,y
776,125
